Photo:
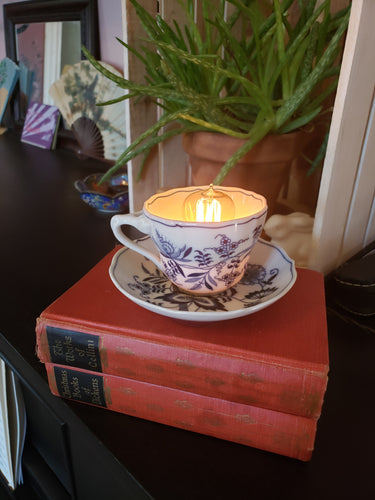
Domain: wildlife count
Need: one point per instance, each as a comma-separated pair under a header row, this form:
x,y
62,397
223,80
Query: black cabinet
x,y
62,458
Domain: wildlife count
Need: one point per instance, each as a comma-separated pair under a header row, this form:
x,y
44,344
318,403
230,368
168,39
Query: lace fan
x,y
99,130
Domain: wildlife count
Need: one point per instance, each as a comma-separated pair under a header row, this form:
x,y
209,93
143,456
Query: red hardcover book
x,y
268,430
276,358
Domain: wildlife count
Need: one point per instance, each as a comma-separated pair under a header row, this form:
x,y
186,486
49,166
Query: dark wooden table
x,y
50,238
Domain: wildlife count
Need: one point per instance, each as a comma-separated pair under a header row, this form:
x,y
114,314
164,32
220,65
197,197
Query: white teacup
x,y
198,257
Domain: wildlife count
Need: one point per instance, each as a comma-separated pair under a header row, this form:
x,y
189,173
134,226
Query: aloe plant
x,y
273,80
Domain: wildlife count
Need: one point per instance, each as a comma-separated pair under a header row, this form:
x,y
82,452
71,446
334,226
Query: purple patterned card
x,y
41,125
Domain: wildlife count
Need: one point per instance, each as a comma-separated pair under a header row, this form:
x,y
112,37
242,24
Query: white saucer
x,y
269,276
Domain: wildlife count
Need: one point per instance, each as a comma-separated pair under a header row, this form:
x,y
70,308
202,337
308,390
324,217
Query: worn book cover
x,y
268,430
41,125
276,358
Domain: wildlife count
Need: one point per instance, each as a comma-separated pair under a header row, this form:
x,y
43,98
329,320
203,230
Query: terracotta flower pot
x,y
264,169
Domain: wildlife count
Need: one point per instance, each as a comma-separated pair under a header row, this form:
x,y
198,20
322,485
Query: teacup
x,y
198,257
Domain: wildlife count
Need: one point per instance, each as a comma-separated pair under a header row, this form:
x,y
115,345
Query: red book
x,y
268,430
276,358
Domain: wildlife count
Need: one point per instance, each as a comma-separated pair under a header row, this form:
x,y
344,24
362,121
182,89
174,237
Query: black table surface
x,y
50,238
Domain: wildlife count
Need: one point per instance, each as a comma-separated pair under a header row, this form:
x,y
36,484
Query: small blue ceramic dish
x,y
111,197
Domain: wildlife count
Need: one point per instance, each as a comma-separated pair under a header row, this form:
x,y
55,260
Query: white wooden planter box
x,y
345,218
345,214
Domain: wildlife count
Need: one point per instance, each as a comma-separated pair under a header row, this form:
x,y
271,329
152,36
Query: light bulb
x,y
209,206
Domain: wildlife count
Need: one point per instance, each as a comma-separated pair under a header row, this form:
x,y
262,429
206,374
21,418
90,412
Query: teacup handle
x,y
139,221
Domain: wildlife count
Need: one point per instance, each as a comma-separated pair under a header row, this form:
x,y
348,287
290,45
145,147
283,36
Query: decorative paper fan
x,y
99,130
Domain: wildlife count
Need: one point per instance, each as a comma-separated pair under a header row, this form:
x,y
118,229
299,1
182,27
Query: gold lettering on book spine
x,y
91,354
76,394
69,349
65,385
96,397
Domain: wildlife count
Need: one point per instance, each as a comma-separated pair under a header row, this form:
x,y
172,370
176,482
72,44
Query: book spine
x,y
255,382
268,430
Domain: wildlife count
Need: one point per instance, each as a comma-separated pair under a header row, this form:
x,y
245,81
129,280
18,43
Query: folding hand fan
x,y
99,130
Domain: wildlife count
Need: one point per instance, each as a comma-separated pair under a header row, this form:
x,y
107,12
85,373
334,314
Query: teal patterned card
x,y
9,73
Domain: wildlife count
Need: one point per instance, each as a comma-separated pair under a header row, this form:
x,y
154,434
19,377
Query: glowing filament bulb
x,y
208,206
208,209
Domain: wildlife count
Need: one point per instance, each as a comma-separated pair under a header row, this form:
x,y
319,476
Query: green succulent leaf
x,y
248,74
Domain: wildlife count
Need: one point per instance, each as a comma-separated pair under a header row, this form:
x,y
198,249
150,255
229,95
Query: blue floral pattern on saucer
x,y
269,275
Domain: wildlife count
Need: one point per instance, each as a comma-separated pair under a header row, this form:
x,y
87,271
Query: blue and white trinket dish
x,y
115,200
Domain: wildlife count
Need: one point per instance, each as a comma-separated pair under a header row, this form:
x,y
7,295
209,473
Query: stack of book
x,y
258,380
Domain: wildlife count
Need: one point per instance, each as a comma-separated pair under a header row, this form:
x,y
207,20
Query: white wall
x,y
110,26
345,215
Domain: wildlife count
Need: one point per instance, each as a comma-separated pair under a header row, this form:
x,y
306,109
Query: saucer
x,y
270,274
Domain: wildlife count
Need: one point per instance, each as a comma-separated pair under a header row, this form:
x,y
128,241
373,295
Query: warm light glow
x,y
208,210
209,206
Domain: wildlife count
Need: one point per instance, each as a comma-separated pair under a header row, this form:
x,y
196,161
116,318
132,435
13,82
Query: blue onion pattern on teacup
x,y
199,266
198,257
